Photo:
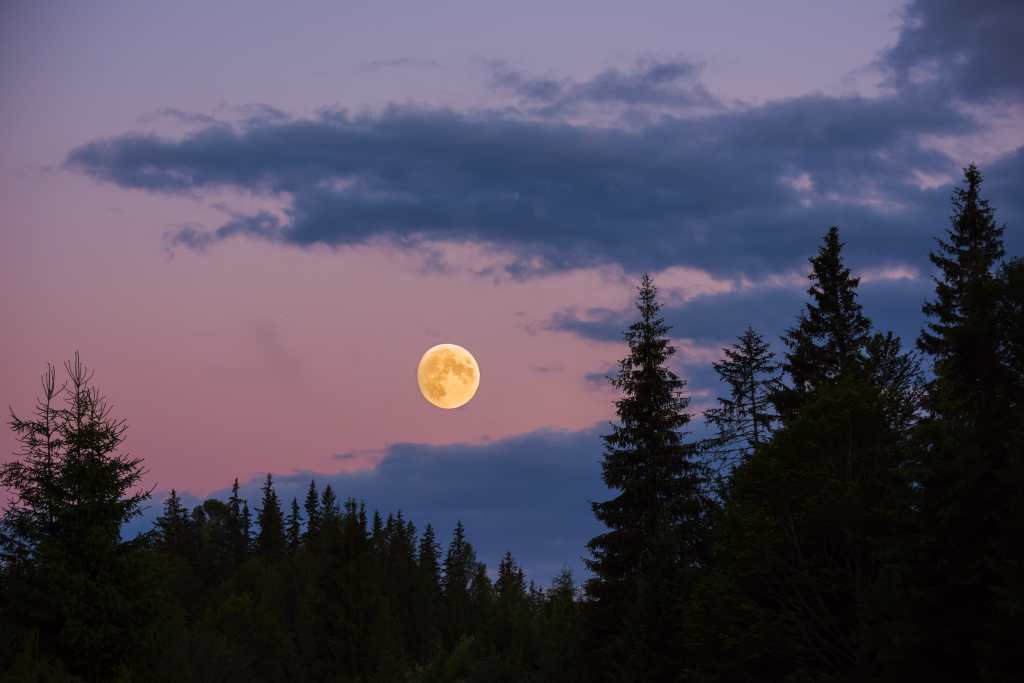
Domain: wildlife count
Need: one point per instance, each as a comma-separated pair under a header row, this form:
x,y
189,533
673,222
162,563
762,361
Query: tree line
x,y
857,515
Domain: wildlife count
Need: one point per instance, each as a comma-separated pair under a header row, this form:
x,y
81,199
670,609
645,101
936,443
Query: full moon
x,y
448,376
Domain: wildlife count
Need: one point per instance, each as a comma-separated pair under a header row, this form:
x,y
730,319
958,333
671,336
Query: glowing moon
x,y
448,376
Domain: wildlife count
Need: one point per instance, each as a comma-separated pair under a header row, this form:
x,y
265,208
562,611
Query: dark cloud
x,y
672,84
970,49
738,190
528,494
707,192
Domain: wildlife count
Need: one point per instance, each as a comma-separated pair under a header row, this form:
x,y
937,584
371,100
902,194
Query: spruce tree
x,y
512,628
65,572
656,521
312,506
239,541
270,542
459,567
428,595
246,540
172,528
330,515
971,498
294,527
829,339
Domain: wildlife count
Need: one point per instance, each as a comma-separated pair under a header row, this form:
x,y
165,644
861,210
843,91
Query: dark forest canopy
x,y
857,516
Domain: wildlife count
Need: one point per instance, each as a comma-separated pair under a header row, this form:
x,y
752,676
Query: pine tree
x,y
831,333
270,542
294,527
656,522
743,421
971,498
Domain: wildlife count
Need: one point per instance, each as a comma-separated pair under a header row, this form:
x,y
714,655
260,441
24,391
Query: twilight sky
x,y
251,219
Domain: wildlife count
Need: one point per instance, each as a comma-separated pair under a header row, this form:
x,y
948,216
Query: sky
x,y
251,219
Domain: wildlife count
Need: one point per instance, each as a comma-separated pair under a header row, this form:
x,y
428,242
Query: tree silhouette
x,y
745,419
67,575
656,521
270,542
971,496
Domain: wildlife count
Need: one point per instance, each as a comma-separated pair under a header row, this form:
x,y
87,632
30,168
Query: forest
x,y
858,515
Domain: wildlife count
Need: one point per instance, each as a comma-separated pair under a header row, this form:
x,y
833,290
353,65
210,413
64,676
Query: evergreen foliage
x,y
745,419
656,522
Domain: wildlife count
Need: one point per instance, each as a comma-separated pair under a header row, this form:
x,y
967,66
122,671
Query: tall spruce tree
x,y
246,540
293,527
459,567
270,542
239,541
971,498
330,515
312,506
428,596
656,523
831,334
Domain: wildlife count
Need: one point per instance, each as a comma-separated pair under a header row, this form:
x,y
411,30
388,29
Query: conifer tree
x,y
428,595
173,527
807,539
831,333
512,607
312,505
239,540
743,421
459,567
294,527
377,530
559,657
65,571
246,541
330,515
481,598
971,498
656,520
270,542
511,583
